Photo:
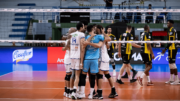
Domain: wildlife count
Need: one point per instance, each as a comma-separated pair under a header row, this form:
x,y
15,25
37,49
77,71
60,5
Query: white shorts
x,y
68,68
104,66
75,64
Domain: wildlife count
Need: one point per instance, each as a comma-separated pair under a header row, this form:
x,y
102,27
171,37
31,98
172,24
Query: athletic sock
x,y
142,75
171,77
176,77
74,89
119,77
113,90
68,90
71,90
65,89
100,92
113,67
148,78
133,70
130,77
91,91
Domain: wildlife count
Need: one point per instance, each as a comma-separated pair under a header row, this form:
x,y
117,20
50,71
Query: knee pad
x,y
172,66
107,76
99,76
68,77
73,74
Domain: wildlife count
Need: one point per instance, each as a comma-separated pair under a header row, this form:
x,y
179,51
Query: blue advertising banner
x,y
23,55
137,58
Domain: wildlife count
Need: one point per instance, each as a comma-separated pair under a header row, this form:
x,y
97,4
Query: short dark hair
x,y
137,6
85,22
146,27
150,5
94,25
129,27
79,25
171,21
100,27
90,28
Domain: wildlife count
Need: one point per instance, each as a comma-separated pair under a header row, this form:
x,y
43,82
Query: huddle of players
x,y
86,53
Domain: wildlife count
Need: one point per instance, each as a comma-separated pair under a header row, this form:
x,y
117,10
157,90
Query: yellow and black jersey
x,y
172,36
126,47
145,37
112,45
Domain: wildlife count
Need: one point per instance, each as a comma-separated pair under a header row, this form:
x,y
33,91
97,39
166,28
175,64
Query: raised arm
x,y
119,48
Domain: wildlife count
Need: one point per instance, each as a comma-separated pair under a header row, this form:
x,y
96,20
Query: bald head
x,y
71,30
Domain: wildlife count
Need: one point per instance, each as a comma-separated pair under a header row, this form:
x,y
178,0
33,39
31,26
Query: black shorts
x,y
172,56
111,53
126,58
147,58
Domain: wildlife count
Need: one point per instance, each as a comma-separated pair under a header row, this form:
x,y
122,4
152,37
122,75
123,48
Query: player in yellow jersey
x,y
172,51
147,55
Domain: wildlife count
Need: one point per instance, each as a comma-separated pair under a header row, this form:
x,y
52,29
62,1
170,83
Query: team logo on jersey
x,y
124,34
73,40
22,55
93,38
170,33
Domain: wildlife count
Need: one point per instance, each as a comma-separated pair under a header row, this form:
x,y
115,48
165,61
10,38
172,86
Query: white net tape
x,y
89,10
49,41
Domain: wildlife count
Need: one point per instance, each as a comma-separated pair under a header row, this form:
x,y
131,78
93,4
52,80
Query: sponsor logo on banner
x,y
22,55
56,55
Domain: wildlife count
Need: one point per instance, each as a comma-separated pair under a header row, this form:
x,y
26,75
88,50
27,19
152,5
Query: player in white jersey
x,y
76,41
67,62
104,66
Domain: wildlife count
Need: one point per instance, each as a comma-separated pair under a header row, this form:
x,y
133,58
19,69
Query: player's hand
x,y
93,35
102,30
119,54
153,56
163,51
85,43
81,65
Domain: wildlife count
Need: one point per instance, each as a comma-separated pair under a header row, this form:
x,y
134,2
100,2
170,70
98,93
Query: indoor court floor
x,y
45,82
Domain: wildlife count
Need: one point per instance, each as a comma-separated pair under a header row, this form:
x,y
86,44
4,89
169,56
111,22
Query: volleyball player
x,y
111,48
91,58
124,51
172,52
67,62
104,66
147,55
76,41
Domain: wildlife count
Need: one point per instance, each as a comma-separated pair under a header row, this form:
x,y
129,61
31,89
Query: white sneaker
x,y
114,73
64,94
90,96
81,95
74,96
167,82
175,82
69,96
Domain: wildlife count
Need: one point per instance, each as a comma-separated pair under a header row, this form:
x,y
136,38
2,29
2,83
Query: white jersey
x,y
75,44
104,54
67,56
